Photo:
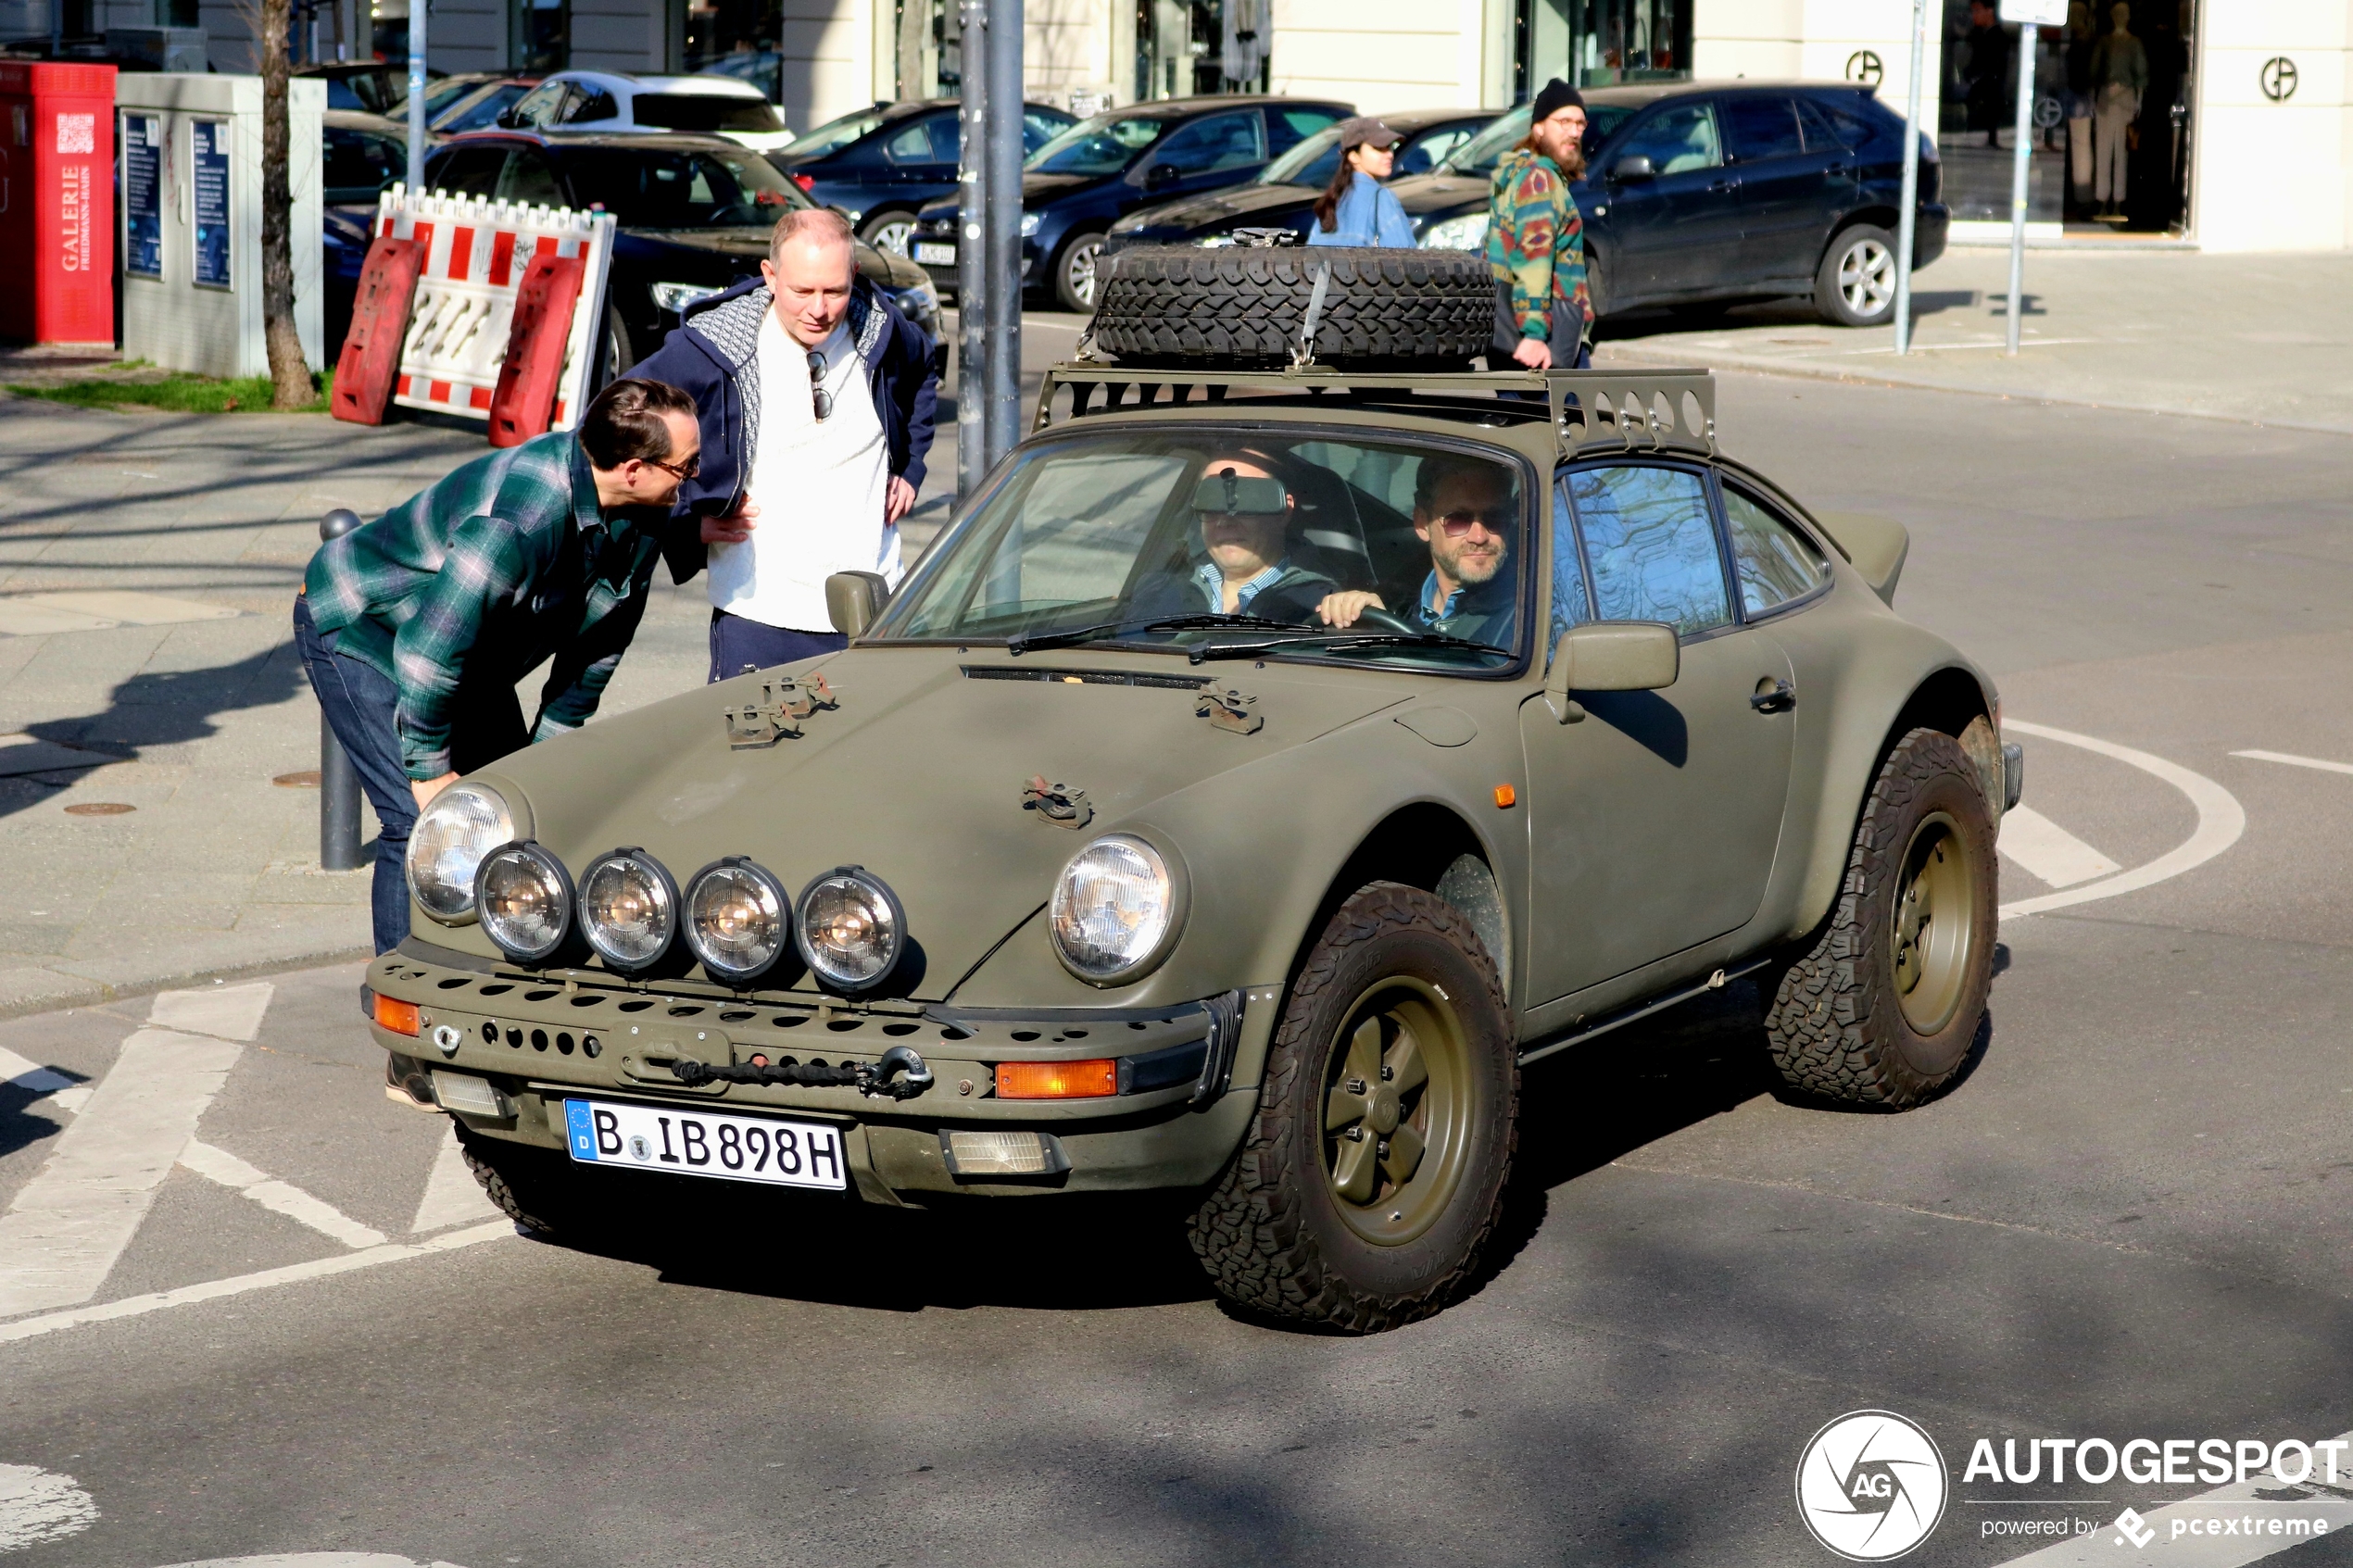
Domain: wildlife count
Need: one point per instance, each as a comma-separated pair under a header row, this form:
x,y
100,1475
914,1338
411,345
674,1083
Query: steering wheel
x,y
1374,619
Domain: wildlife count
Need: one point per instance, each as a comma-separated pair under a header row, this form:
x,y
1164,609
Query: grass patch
x,y
180,394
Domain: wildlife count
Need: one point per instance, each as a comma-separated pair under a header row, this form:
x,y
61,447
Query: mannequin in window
x,y
1989,71
2078,101
2119,75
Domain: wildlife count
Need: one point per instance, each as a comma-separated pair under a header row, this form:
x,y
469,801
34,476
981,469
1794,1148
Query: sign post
x,y
1907,221
2026,15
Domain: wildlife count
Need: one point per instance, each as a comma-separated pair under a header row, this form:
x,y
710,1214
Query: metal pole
x,y
338,779
1907,220
971,262
2026,41
417,9
1003,108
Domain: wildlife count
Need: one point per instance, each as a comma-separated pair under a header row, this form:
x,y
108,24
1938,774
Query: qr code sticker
x,y
77,133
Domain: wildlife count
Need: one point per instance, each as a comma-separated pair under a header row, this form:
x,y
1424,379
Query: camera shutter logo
x,y
2278,78
1871,1486
1862,65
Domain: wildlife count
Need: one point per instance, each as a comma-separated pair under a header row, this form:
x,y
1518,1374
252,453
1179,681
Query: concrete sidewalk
x,y
2260,339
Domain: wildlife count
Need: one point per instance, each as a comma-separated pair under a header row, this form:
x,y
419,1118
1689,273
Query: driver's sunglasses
x,y
821,400
1457,524
686,470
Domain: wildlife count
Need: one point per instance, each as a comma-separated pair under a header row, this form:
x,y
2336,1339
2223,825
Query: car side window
x,y
910,143
1678,139
1036,129
1220,141
1774,562
1829,126
1423,153
541,105
1570,605
1762,126
530,178
589,108
1650,541
471,172
1288,128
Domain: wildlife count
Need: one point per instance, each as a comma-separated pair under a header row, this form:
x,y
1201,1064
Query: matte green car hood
x,y
916,775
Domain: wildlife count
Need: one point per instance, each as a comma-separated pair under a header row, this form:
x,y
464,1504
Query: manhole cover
x,y
99,809
306,779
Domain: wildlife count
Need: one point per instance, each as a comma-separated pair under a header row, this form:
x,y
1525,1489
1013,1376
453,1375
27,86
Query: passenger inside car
x,y
1466,512
1243,510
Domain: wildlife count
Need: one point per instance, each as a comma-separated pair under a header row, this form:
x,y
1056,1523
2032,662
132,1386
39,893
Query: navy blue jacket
x,y
712,359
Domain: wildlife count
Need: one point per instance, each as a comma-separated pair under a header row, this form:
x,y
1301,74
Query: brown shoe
x,y
406,1083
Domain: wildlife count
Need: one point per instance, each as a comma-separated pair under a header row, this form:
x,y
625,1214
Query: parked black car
x,y
1076,187
693,214
880,165
1283,196
1716,193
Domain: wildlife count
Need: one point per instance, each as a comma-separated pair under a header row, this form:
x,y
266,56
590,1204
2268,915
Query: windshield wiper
x,y
1341,642
1201,623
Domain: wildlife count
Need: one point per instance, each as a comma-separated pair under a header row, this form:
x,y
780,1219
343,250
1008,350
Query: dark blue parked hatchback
x,y
880,165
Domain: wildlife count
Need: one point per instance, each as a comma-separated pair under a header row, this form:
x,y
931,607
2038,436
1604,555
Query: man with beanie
x,y
1536,239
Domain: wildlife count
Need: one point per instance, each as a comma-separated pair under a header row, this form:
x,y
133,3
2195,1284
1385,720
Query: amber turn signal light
x,y
398,1016
1057,1080
1506,795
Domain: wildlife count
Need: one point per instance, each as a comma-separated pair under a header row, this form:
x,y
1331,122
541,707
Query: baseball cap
x,y
1364,130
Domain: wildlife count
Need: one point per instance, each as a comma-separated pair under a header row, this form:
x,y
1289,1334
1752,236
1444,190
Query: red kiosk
x,y
56,229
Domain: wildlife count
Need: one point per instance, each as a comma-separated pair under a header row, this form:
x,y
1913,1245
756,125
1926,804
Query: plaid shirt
x,y
503,563
1536,241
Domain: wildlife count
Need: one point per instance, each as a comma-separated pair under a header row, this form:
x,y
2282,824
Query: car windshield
x,y
1105,144
481,112
1482,152
717,187
1312,162
835,134
439,96
703,111
1219,546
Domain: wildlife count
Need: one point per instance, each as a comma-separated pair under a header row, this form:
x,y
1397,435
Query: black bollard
x,y
338,781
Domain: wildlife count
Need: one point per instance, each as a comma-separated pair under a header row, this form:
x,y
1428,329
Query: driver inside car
x,y
1465,513
1244,512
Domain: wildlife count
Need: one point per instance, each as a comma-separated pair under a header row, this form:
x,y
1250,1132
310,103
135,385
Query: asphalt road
x,y
2131,1221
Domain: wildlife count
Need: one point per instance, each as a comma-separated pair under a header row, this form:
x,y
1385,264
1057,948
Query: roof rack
x,y
1630,410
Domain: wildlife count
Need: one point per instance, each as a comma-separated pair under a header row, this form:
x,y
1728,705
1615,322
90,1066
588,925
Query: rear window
x,y
1105,144
694,111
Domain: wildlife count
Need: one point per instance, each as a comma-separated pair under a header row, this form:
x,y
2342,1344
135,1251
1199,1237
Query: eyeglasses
x,y
822,399
1457,524
686,470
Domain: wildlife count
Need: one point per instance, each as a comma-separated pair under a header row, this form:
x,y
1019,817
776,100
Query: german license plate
x,y
931,254
701,1143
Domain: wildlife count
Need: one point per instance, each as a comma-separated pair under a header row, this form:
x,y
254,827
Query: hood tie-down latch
x,y
1057,804
785,702
900,1074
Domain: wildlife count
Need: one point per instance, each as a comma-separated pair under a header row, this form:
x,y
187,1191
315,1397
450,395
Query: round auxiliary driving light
x,y
628,908
525,896
849,928
738,919
464,822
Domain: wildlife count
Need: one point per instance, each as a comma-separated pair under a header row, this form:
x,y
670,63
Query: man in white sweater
x,y
815,397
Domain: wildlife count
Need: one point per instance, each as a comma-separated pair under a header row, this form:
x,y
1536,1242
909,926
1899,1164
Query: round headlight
x,y
849,928
628,908
525,899
1113,910
464,822
737,919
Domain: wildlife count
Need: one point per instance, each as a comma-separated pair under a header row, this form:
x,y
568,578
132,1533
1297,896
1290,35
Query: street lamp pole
x,y
417,9
972,256
1907,221
1001,424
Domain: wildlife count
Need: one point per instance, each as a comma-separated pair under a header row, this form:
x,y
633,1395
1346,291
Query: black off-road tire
x,y
1271,1233
1243,307
1838,1028
527,1183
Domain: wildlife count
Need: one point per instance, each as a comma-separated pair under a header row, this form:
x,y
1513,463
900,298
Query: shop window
x,y
542,35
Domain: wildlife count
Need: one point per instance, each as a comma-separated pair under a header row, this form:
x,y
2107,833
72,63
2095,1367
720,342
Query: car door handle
x,y
1778,698
1720,184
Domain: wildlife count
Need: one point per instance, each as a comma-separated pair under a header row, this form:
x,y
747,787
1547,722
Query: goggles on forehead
x,y
1235,494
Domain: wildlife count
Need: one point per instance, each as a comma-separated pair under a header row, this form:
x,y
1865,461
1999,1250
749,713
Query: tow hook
x,y
900,1074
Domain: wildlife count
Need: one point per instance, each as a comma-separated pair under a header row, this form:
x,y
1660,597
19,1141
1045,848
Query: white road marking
x,y
68,1224
2235,1501
2221,821
2295,761
279,1198
15,1073
213,1290
315,1559
2048,852
38,1505
452,1195
233,1013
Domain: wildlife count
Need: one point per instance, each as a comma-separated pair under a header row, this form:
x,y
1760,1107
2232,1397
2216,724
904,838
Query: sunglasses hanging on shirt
x,y
822,399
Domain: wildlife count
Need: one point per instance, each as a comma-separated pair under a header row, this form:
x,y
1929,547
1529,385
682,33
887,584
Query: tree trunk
x,y
290,378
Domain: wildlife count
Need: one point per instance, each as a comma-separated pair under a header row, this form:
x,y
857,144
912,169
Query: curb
x,y
97,992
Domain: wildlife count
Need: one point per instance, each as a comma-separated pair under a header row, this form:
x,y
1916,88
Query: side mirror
x,y
854,599
1163,174
1633,166
1610,656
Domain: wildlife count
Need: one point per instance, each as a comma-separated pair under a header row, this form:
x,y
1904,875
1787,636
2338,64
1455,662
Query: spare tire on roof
x,y
1243,307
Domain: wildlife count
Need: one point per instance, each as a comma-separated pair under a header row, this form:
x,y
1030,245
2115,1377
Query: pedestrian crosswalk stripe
x,y
452,1195
2048,852
281,1198
233,1013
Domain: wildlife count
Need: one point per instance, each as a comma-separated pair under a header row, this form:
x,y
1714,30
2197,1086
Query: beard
x,y
1474,568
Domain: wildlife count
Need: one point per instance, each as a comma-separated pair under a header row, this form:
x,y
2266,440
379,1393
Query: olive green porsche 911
x,y
1245,787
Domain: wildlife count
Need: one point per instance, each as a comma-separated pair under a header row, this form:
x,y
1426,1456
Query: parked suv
x,y
1076,187
613,102
880,165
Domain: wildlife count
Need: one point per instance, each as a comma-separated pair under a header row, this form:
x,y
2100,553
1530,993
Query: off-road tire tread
x,y
1831,1030
1250,1232
500,1167
1243,307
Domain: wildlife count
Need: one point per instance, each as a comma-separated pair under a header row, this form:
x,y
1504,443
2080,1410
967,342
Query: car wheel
x,y
1075,271
618,358
1370,1179
1855,286
1885,1008
526,1183
893,230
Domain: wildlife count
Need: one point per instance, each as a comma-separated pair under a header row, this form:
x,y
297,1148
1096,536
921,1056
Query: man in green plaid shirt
x,y
415,627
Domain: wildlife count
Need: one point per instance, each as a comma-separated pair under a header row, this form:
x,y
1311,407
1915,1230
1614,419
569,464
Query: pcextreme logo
x,y
1870,1486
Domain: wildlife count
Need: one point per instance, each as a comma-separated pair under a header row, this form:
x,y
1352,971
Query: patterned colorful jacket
x,y
1536,241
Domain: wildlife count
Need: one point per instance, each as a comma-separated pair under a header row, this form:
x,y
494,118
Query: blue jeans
x,y
361,707
737,645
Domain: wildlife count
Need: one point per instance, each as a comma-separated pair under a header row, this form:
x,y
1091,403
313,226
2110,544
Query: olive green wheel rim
x,y
1397,1111
1934,936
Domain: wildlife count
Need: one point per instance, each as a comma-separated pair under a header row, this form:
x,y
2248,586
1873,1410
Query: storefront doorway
x,y
1595,43
1185,48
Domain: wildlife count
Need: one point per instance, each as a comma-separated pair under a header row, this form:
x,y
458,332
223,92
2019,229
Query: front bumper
x,y
1189,1075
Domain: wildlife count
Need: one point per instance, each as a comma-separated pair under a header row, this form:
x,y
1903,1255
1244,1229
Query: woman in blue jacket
x,y
1355,210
